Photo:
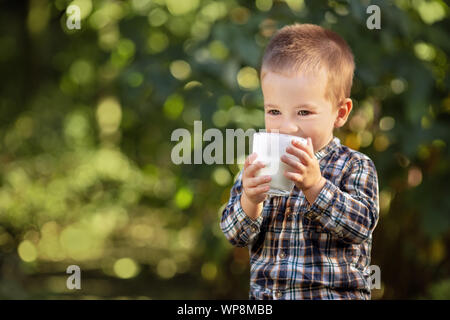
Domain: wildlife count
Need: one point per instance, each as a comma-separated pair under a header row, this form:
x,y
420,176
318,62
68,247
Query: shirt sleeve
x,y
238,228
350,213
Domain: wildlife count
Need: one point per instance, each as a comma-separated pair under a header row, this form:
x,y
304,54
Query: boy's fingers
x,y
306,147
295,177
254,182
302,155
310,147
296,165
249,160
258,190
253,168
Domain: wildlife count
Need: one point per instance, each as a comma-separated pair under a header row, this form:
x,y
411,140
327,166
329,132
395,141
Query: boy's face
x,y
297,106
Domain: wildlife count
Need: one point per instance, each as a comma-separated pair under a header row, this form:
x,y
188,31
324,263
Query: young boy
x,y
316,242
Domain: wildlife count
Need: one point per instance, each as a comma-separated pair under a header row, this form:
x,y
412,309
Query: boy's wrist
x,y
312,192
251,209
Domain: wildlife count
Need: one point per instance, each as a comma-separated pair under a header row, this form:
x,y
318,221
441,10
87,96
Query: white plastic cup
x,y
269,147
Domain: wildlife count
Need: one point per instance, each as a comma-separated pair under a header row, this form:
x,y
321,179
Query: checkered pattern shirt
x,y
318,251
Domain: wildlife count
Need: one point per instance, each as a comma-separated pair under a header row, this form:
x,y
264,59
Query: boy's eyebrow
x,y
302,105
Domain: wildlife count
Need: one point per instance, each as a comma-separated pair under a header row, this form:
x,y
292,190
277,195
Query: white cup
x,y
269,147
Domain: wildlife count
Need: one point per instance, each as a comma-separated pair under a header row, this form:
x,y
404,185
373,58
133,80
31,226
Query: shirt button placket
x,y
288,214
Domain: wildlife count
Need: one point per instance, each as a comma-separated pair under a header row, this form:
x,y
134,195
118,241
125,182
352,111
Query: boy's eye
x,y
273,112
303,113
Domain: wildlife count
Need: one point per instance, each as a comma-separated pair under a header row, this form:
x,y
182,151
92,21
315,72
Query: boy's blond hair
x,y
307,48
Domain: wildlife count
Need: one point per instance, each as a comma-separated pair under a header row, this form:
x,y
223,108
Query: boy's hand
x,y
254,187
306,170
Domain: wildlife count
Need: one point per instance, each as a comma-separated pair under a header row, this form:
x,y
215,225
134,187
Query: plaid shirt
x,y
318,251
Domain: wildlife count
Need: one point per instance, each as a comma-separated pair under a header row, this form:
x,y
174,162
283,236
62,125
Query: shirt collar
x,y
333,144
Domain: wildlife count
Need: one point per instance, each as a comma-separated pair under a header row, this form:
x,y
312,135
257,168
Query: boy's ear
x,y
343,112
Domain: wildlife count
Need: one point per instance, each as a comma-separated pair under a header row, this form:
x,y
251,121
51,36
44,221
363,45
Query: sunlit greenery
x,y
86,117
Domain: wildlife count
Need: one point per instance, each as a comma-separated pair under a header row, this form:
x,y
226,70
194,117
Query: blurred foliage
x,y
86,118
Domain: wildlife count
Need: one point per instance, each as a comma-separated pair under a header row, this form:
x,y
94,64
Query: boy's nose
x,y
288,127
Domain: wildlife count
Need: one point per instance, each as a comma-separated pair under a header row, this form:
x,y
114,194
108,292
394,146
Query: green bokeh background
x,y
86,118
